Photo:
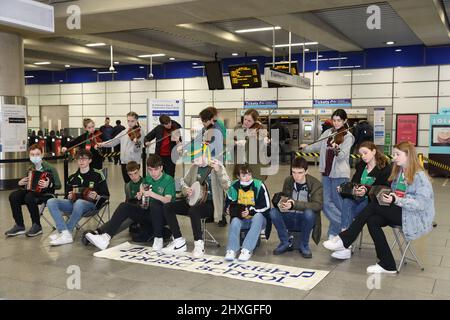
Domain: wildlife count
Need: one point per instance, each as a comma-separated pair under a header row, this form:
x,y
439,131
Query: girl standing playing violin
x,y
131,143
334,166
90,141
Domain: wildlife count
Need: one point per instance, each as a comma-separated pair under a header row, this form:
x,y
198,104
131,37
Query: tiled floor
x,y
31,269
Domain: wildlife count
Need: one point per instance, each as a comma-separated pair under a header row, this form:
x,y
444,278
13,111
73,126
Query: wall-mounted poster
x,y
407,128
440,133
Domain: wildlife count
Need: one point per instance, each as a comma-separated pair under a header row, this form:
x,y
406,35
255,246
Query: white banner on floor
x,y
255,271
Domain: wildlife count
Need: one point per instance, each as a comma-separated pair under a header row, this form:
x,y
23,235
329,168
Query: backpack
x,y
364,132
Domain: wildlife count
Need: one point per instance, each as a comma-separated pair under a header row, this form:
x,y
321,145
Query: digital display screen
x,y
245,76
307,128
283,67
214,75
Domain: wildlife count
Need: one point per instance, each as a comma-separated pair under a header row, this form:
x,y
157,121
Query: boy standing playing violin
x,y
166,140
131,143
217,181
90,141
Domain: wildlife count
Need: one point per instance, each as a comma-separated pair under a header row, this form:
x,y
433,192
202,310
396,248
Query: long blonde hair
x,y
413,166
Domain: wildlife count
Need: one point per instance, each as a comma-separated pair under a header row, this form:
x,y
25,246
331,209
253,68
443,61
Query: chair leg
x,y
361,239
207,236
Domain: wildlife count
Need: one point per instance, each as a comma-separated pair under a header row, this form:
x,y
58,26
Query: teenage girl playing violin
x,y
131,142
334,166
90,140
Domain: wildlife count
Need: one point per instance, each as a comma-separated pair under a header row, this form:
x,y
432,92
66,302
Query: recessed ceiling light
x,y
257,29
390,43
141,67
97,44
116,62
235,54
306,50
254,60
29,77
171,58
138,78
94,69
67,66
61,80
42,63
194,63
152,55
398,50
295,44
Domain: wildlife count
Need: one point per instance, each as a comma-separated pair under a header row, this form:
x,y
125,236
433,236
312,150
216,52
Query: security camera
x,y
150,76
111,68
317,72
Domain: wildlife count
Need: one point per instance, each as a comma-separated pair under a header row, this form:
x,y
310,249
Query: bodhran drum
x,y
199,194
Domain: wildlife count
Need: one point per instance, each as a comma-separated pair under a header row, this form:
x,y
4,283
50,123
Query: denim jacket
x,y
417,207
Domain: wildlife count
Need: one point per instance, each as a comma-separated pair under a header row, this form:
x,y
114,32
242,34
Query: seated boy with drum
x,y
41,181
87,190
248,204
203,186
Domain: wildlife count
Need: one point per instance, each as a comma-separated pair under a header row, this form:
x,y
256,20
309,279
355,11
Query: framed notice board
x,y
407,128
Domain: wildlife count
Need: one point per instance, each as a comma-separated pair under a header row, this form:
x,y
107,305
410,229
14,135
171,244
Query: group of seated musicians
x,y
151,201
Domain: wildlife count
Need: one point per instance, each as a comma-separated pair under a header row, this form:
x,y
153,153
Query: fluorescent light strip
x,y
97,44
295,44
138,78
344,67
257,29
329,59
29,77
198,67
106,72
42,63
152,55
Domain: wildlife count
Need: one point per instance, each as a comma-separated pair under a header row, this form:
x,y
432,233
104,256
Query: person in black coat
x,y
116,130
374,169
167,137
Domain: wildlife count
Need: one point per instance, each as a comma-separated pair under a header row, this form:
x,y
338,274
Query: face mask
x,y
246,184
36,160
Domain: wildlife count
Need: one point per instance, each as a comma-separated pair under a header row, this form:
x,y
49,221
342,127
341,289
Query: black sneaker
x,y
34,231
222,223
15,231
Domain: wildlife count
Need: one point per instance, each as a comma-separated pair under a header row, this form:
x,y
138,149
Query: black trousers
x,y
126,211
168,165
117,157
105,151
125,175
196,213
31,200
376,217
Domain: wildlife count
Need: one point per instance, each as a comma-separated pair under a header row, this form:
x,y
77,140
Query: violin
x,y
93,139
339,135
135,134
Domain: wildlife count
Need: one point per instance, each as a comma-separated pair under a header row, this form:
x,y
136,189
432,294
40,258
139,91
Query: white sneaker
x,y
376,268
199,249
101,241
65,237
331,237
54,236
342,254
157,244
245,255
230,255
335,244
178,245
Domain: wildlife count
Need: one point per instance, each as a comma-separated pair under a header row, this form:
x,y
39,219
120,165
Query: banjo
x,y
199,190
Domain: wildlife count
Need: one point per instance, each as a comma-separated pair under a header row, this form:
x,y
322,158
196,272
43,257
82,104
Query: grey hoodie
x,y
128,149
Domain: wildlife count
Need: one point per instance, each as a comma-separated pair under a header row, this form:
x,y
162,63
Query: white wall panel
x,y
260,94
94,98
416,74
50,100
33,111
229,95
424,122
72,88
94,87
444,88
32,90
423,150
372,102
372,91
143,85
117,109
295,104
117,98
34,123
416,89
227,82
94,110
333,77
198,96
229,105
32,100
444,102
72,99
415,105
372,76
169,85
294,93
332,92
117,86
140,109
200,83
76,111
75,122
444,72
193,109
169,95
141,97
49,89
423,139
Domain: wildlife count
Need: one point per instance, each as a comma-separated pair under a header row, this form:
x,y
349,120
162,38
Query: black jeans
x,y
126,211
117,157
196,213
125,175
168,165
30,199
376,217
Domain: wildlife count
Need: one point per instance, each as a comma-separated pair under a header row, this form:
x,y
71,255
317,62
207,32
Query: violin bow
x,y
329,136
84,141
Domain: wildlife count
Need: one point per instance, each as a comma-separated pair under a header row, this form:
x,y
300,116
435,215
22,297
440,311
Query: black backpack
x,y
364,132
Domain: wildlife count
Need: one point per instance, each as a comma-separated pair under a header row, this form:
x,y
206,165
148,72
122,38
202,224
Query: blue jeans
x,y
59,207
350,209
294,221
332,203
255,225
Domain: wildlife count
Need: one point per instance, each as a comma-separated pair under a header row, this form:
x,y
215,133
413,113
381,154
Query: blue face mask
x,y
36,160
